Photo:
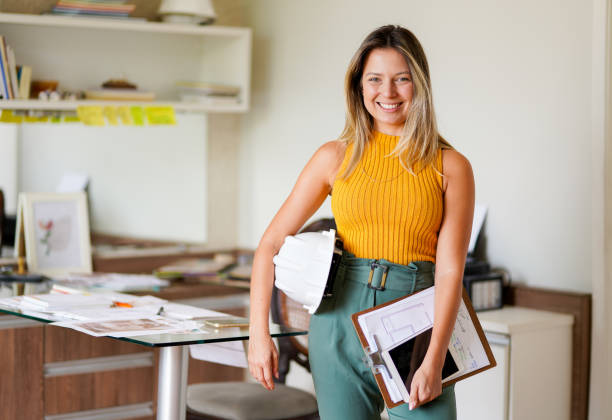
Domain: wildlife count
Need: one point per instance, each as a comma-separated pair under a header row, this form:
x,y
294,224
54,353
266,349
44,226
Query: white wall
x,y
518,87
512,87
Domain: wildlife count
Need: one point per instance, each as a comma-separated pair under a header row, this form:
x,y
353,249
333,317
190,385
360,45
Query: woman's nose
x,y
388,89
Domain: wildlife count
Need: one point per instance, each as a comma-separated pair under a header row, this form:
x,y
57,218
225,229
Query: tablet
x,y
403,361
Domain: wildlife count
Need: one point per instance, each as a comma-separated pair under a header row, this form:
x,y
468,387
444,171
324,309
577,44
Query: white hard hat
x,y
304,269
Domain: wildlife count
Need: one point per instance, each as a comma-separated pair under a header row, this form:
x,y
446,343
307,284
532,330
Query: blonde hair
x,y
418,145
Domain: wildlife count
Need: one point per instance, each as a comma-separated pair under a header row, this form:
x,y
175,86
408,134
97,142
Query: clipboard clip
x,y
374,359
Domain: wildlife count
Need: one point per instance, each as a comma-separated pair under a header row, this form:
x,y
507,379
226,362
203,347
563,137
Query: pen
x,y
161,310
117,304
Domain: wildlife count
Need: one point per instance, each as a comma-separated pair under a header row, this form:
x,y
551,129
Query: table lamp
x,y
197,12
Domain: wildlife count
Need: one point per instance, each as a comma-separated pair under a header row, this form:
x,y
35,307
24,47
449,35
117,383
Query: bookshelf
x,y
81,53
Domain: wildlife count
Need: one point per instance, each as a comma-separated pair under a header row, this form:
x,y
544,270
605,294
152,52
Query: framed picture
x,y
53,232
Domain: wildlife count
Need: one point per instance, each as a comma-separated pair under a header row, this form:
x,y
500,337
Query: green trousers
x,y
344,384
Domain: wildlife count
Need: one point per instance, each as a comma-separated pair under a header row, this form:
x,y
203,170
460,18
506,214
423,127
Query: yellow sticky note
x,y
91,115
110,112
72,119
137,115
158,115
36,119
124,115
8,117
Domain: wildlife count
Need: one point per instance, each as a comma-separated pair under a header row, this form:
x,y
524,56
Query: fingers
x,y
414,396
263,364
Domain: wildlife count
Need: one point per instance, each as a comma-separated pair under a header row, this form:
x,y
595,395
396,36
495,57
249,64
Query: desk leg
x,y
172,383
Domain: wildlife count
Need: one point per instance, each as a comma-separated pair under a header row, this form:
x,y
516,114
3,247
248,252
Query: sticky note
x,y
29,119
8,117
91,115
72,119
137,115
124,115
160,115
111,114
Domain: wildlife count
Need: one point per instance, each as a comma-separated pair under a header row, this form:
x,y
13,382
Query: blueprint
x,y
396,323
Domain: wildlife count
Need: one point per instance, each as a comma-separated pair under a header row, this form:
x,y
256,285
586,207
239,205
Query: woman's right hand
x,y
263,359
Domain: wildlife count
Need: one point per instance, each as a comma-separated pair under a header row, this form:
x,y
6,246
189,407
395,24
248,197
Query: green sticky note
x,y
137,115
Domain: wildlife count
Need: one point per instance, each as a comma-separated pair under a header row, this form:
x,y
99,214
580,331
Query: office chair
x,y
251,401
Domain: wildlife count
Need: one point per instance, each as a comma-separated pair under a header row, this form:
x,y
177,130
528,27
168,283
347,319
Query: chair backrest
x,y
286,311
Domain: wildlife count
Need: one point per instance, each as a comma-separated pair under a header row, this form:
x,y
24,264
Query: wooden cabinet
x,y
532,379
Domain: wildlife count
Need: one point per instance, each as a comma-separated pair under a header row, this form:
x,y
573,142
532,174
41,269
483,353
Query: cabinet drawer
x,y
65,394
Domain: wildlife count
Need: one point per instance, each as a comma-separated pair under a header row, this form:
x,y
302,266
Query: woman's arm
x,y
453,240
309,192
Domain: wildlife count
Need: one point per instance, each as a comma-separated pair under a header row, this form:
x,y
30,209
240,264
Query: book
x,y
395,338
4,74
25,80
119,95
12,66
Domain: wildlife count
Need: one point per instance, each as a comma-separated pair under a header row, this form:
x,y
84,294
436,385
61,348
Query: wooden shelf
x,y
154,55
122,25
37,105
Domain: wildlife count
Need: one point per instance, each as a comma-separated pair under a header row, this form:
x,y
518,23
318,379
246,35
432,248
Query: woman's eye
x,y
374,79
404,79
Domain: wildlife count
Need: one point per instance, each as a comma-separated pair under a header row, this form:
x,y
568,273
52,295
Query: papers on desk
x,y
229,353
131,327
113,282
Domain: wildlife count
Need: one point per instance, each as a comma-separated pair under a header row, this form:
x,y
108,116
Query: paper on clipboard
x,y
389,325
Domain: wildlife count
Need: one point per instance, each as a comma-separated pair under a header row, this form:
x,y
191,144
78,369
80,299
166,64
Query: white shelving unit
x,y
81,53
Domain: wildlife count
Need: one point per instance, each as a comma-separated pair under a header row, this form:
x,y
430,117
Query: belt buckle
x,y
385,268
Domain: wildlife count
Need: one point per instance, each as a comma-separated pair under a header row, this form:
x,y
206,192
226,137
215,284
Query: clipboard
x,y
375,329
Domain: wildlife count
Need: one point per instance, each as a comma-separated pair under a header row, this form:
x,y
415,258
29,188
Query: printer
x,y
484,286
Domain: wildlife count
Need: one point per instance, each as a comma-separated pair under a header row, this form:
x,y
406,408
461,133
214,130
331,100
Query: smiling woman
x,y
403,201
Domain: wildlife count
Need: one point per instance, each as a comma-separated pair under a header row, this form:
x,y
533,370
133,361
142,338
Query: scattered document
x,y
229,353
113,281
130,327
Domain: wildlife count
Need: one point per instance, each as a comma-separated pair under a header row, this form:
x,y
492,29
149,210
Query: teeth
x,y
389,106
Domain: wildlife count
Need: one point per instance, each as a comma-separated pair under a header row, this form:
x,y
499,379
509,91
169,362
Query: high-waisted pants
x,y
344,384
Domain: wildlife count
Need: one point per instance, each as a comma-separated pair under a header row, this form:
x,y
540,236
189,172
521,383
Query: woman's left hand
x,y
426,385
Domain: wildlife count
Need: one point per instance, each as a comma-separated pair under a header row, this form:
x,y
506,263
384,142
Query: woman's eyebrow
x,y
379,74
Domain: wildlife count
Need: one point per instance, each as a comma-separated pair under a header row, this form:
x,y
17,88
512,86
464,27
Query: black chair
x,y
250,401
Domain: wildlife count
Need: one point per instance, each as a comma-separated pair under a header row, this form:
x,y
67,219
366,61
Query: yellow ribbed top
x,y
383,211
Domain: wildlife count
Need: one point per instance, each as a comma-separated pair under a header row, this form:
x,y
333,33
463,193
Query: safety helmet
x,y
306,265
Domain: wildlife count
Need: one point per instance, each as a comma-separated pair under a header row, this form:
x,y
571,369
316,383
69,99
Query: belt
x,y
383,274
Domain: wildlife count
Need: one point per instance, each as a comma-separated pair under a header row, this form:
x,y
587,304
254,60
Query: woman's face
x,y
387,89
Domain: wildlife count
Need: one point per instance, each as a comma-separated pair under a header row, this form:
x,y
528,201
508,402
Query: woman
x,y
402,199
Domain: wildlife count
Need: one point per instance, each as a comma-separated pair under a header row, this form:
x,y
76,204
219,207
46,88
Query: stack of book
x,y
209,93
94,8
14,80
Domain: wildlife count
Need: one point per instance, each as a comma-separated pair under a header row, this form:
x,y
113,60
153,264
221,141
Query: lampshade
x,y
187,11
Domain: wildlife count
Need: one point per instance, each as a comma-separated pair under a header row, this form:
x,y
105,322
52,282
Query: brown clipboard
x,y
379,377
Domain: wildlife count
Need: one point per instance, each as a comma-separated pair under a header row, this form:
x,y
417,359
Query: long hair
x,y
418,145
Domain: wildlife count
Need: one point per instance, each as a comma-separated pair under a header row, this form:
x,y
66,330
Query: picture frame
x,y
53,233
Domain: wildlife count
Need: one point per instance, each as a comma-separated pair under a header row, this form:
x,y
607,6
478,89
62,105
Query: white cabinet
x,y
532,380
81,53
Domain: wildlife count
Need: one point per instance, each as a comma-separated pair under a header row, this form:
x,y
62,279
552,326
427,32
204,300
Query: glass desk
x,y
173,358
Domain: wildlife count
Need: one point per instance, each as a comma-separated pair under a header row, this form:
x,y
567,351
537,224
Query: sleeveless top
x,y
384,211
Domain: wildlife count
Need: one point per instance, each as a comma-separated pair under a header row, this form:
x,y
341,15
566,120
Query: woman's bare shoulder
x,y
455,166
328,158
